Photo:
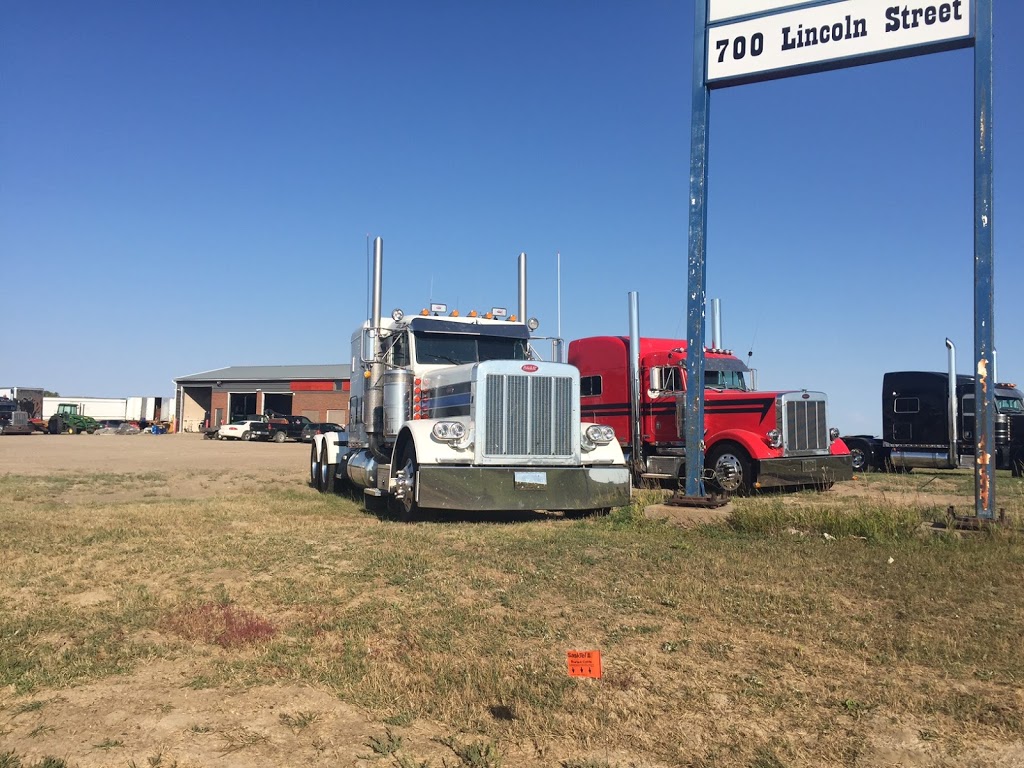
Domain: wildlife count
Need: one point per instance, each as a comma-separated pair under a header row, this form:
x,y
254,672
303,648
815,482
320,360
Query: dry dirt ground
x,y
153,717
153,714
182,458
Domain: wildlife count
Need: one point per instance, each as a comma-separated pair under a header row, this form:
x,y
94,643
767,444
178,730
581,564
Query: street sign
x,y
833,35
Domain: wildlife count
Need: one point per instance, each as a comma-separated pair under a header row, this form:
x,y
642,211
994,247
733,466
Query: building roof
x,y
333,372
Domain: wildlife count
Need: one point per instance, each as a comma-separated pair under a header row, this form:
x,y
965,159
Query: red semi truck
x,y
752,439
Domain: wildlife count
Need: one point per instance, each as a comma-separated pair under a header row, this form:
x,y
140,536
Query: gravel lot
x,y
180,457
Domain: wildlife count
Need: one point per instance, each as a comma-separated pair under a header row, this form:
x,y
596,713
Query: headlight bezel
x,y
449,431
599,434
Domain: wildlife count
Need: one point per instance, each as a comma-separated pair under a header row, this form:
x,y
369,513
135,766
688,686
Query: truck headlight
x,y
774,438
833,434
449,431
599,434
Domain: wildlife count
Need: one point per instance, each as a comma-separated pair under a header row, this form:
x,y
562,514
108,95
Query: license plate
x,y
531,481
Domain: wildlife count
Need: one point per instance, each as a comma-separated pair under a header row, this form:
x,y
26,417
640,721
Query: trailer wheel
x,y
279,437
729,469
314,467
405,505
326,471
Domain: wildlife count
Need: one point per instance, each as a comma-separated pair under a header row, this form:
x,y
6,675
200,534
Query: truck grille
x,y
804,424
528,416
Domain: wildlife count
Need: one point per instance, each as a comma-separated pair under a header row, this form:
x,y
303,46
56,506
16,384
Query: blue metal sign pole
x,y
696,282
984,281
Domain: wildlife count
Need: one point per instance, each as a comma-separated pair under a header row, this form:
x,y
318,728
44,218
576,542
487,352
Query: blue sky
x,y
186,186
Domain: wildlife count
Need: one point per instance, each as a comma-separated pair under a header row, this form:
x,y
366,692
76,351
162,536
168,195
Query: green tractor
x,y
68,419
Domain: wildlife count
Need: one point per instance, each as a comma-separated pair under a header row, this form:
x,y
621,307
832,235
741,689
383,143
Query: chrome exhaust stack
x,y
636,444
373,395
716,324
954,453
522,287
378,258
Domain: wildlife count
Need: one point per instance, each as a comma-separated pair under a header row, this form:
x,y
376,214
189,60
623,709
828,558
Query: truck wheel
x,y
326,471
861,455
314,468
279,437
728,468
405,505
1017,463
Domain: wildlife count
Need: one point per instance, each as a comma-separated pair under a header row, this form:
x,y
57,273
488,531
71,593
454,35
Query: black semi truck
x,y
928,421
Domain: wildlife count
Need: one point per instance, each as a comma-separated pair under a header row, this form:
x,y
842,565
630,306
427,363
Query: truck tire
x,y
729,469
327,471
404,472
279,436
314,467
862,455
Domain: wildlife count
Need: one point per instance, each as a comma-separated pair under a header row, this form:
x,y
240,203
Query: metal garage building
x,y
319,392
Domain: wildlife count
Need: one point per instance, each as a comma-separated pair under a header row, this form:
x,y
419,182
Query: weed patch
x,y
225,625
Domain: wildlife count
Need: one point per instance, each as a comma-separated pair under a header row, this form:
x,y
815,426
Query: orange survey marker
x,y
584,663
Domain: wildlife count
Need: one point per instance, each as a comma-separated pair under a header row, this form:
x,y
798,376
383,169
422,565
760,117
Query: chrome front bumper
x,y
819,471
522,488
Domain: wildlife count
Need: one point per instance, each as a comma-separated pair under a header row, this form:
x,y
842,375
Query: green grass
x,y
764,620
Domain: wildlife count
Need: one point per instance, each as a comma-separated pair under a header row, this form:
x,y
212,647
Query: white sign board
x,y
836,34
720,10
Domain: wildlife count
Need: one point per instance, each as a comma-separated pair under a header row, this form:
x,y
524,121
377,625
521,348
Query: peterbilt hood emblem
x,y
530,368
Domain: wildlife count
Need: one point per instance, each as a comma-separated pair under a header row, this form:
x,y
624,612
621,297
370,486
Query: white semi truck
x,y
459,413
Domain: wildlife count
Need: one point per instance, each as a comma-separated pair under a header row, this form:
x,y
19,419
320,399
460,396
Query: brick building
x,y
318,391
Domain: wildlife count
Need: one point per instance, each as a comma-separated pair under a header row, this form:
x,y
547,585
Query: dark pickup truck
x,y
285,427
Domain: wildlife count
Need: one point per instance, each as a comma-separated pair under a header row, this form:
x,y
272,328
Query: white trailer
x,y
111,408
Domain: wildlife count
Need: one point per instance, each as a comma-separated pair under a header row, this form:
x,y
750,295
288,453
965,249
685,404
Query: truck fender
x,y
754,445
605,455
430,450
334,450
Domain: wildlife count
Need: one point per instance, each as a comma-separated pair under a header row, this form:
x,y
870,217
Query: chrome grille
x,y
806,427
528,416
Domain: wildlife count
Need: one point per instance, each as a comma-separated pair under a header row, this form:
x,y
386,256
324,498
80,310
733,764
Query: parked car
x,y
319,429
117,427
283,427
244,429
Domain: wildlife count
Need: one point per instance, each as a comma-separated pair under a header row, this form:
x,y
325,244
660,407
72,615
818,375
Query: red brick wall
x,y
219,400
320,402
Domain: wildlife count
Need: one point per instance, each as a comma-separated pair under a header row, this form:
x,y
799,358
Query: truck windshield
x,y
453,348
725,380
1009,404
